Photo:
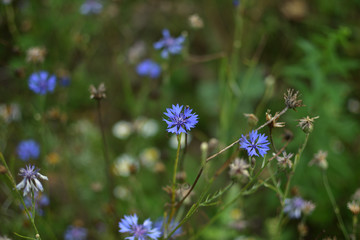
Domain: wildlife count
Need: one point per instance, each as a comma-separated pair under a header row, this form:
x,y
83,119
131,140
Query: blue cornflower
x,y
180,122
294,206
169,44
30,183
257,142
148,68
42,82
28,149
91,7
160,224
129,224
75,233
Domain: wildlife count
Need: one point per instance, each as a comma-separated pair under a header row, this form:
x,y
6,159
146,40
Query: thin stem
x,y
11,178
334,205
105,151
173,190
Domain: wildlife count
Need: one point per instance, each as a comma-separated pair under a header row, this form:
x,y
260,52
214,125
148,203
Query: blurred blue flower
x,y
293,207
42,82
91,7
75,233
169,44
28,149
30,183
64,81
41,200
129,224
236,3
180,122
160,224
148,68
257,142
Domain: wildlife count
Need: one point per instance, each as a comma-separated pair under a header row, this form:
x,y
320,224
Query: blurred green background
x,y
236,59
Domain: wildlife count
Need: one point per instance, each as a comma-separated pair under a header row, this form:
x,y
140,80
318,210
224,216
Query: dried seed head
x,y
302,229
308,207
273,123
98,93
354,207
285,161
291,99
307,124
252,119
239,168
35,54
320,160
196,21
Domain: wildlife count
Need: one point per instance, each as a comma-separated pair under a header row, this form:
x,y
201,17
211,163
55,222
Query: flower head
x,y
180,121
91,7
75,233
307,124
30,183
294,206
129,224
257,143
148,68
169,44
28,149
320,160
36,54
291,99
285,161
354,207
42,82
97,93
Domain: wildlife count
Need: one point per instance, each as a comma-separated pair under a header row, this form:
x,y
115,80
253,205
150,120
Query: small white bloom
x,y
122,129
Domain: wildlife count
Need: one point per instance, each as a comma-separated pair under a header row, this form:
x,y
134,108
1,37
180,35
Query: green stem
x,y
334,205
173,189
11,20
10,177
355,220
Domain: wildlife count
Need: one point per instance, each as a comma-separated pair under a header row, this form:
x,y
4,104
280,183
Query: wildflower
x,y
121,192
180,122
91,7
148,68
285,161
122,129
354,207
28,149
308,207
273,123
195,21
168,44
42,82
293,207
161,223
146,127
236,3
291,99
307,124
320,160
97,93
302,229
35,54
239,168
257,142
75,233
30,183
129,224
125,165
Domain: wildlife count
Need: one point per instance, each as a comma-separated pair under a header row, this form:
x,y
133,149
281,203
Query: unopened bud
x,y
3,169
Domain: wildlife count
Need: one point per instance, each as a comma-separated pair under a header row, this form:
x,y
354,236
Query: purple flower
x,y
258,143
129,224
28,149
148,68
91,7
180,121
42,82
293,207
75,233
30,183
160,224
169,44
